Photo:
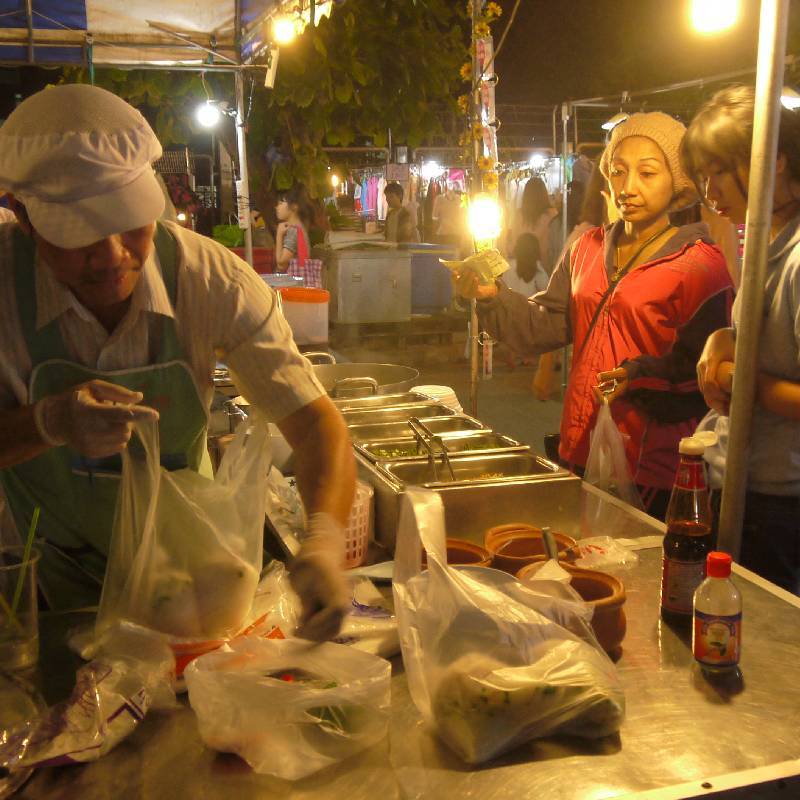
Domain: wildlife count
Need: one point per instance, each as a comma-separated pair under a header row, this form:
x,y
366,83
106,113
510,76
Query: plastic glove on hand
x,y
316,575
95,418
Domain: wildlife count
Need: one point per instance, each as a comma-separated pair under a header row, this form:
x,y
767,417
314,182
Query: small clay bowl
x,y
605,594
499,533
514,546
461,552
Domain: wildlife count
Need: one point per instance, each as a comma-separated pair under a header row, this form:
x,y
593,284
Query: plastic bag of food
x,y
186,551
131,674
289,708
370,624
602,552
492,662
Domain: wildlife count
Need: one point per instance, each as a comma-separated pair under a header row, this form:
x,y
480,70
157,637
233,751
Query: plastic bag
x,y
492,662
607,466
602,552
131,674
186,551
288,708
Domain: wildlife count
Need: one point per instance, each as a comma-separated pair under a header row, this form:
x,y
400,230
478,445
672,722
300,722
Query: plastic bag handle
x,y
421,527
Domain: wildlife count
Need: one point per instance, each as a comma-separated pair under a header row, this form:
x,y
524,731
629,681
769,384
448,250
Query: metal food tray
x,y
533,490
397,413
458,444
485,468
453,425
381,401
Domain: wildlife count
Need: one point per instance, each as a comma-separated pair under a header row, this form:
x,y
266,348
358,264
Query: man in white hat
x,y
107,317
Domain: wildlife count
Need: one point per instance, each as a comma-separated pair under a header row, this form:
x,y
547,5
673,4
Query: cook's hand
x,y
467,285
719,347
316,575
611,384
96,418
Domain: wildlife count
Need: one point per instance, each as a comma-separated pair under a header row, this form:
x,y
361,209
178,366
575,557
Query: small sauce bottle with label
x,y
717,633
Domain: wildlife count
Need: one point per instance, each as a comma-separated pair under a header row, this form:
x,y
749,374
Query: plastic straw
x,y
26,554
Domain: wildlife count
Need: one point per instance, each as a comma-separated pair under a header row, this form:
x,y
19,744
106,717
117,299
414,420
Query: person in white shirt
x,y
107,317
526,275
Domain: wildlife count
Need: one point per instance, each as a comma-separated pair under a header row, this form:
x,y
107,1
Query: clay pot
x,y
514,546
460,552
605,594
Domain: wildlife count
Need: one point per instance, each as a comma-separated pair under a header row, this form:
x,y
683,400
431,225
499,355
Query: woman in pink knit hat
x,y
637,299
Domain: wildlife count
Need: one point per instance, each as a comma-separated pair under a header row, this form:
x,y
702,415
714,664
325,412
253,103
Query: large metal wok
x,y
362,380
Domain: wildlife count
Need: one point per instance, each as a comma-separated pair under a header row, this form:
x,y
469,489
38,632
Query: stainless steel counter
x,y
682,737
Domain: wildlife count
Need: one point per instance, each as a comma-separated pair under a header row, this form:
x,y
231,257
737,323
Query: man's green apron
x,y
77,495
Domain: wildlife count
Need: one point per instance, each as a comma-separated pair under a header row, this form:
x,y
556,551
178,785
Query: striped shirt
x,y
224,312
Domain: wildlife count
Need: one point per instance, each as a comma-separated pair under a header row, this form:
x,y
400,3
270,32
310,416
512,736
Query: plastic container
x,y
263,258
359,527
306,311
431,286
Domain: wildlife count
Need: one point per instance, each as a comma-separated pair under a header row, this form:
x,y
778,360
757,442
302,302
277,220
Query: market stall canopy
x,y
190,33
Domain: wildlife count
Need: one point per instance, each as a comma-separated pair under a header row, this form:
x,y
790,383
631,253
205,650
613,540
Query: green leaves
x,y
370,66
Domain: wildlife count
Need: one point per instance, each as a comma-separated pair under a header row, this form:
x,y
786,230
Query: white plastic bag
x,y
607,466
290,728
131,674
603,553
186,551
492,662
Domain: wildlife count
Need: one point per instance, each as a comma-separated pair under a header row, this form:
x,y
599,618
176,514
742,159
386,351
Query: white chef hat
x,y
80,159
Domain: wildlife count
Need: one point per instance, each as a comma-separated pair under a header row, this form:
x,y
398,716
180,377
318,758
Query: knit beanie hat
x,y
667,133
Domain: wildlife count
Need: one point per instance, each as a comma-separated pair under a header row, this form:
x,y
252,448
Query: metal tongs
x,y
427,441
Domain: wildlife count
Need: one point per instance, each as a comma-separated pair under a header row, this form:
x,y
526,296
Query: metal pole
x,y
769,80
243,196
474,326
566,109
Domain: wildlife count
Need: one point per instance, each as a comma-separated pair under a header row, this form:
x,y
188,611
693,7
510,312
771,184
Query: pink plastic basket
x,y
359,526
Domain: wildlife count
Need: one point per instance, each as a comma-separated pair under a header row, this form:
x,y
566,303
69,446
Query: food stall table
x,y
682,737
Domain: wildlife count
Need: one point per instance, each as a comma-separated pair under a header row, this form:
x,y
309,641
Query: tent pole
x,y
566,111
766,122
243,194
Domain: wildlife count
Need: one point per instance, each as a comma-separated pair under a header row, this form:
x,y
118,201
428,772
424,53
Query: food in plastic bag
x,y
287,708
602,552
606,465
479,699
131,674
492,662
186,551
370,624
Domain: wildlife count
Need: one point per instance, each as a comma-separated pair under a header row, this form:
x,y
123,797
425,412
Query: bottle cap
x,y
691,446
718,565
696,444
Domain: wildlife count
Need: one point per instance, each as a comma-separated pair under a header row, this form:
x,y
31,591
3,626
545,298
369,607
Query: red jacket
x,y
655,323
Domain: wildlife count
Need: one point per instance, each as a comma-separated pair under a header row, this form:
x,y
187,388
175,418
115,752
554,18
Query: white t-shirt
x,y
528,288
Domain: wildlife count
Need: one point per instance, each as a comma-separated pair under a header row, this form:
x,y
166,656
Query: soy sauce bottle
x,y
689,538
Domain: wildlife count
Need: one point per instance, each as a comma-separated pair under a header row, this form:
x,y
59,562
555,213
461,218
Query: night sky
x,y
573,49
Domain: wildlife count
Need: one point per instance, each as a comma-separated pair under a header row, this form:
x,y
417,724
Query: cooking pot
x,y
362,380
